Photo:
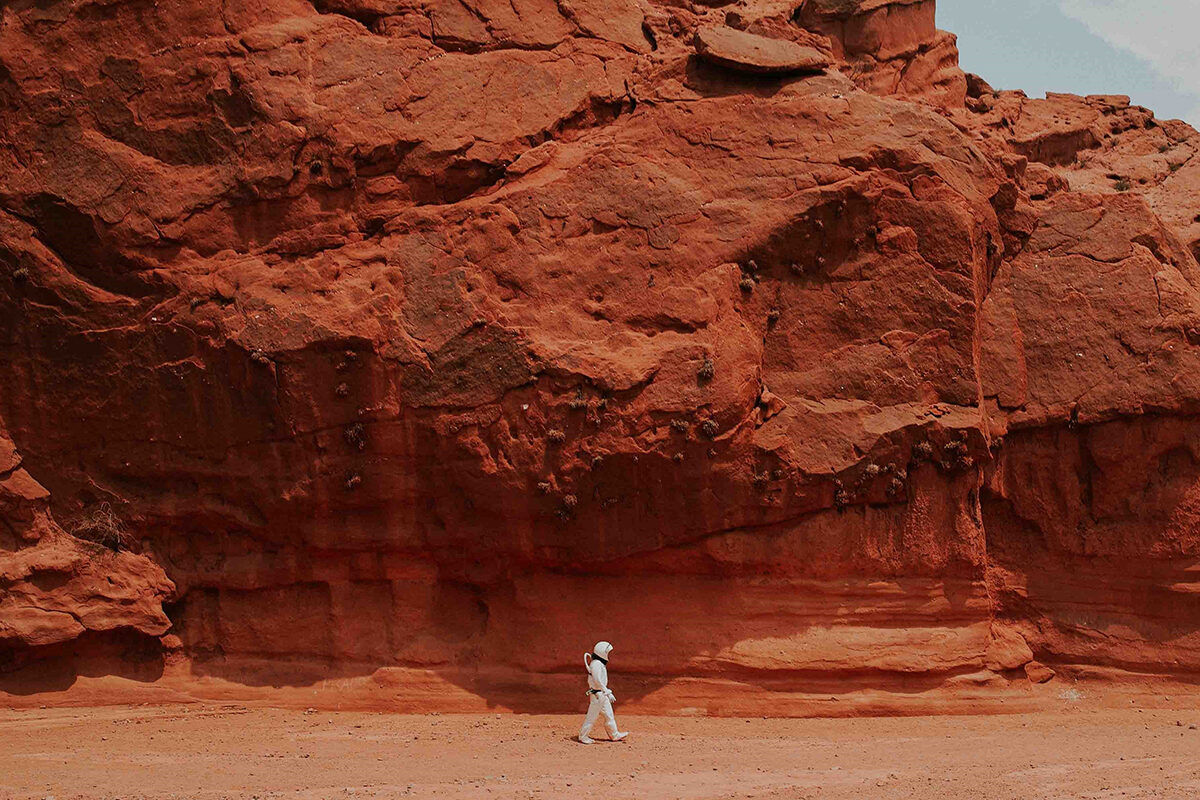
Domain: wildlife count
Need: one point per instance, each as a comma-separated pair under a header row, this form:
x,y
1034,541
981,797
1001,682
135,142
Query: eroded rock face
x,y
1099,144
404,337
890,46
55,588
1089,505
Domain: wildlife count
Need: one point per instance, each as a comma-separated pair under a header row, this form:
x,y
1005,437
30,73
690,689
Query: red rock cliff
x,y
422,344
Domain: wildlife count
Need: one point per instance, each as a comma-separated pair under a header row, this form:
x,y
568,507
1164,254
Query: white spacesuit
x,y
601,697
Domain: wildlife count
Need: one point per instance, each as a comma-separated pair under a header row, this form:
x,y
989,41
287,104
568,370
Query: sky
x,y
1147,49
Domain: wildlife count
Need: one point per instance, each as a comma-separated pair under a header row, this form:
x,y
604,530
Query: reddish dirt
x,y
1080,752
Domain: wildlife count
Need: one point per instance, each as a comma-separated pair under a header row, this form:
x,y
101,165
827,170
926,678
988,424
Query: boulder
x,y
749,52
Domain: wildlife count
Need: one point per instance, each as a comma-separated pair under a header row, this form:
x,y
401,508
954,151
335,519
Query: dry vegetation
x,y
101,525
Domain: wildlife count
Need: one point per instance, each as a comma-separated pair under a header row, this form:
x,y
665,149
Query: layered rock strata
x,y
417,346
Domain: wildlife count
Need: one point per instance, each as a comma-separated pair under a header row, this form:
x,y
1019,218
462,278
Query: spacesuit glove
x,y
612,698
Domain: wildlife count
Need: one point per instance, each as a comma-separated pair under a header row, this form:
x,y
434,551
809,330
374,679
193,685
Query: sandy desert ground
x,y
238,752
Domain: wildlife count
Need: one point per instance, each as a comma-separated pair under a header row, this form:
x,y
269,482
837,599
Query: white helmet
x,y
602,649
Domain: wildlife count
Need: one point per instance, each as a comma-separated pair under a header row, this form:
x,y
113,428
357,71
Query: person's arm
x,y
600,673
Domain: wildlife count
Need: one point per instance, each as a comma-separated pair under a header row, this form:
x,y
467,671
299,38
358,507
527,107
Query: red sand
x,y
238,752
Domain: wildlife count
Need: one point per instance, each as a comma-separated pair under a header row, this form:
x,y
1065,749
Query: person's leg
x,y
610,720
592,713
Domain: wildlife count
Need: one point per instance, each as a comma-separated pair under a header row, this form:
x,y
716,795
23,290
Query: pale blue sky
x,y
1147,49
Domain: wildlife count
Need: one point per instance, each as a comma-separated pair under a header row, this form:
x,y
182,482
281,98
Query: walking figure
x,y
601,697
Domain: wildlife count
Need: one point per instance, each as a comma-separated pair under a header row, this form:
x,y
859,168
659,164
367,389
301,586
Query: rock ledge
x,y
748,52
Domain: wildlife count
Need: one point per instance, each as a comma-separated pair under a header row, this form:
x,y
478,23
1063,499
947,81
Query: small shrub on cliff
x,y
746,284
840,499
679,425
567,510
20,275
1122,185
707,370
922,450
709,428
356,436
556,436
103,527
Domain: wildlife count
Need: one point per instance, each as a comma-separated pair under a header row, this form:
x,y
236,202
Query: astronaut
x,y
600,696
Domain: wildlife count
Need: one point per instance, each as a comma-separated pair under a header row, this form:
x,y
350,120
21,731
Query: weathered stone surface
x,y
891,47
748,52
53,587
1038,673
404,333
1100,144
